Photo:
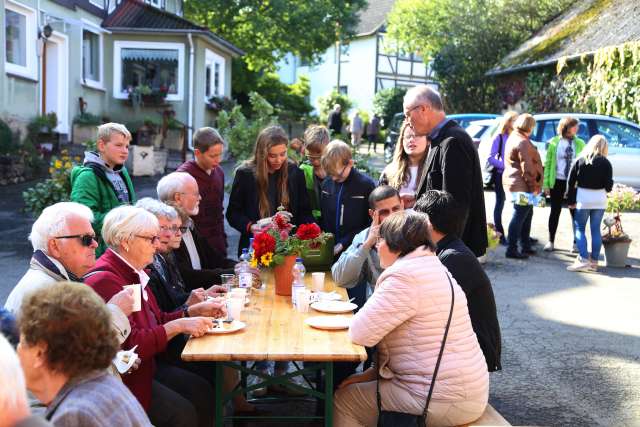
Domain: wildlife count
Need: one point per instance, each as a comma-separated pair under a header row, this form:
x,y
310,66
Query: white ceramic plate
x,y
334,306
227,328
328,322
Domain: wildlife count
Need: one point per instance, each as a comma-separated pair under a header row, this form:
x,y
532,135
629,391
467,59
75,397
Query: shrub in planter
x,y
616,242
85,127
54,189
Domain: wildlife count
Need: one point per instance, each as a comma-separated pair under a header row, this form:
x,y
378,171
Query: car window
x,y
547,130
583,131
618,134
476,131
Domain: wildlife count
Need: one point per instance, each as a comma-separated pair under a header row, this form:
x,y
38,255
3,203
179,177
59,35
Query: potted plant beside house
x,y
144,95
41,131
85,127
277,246
615,241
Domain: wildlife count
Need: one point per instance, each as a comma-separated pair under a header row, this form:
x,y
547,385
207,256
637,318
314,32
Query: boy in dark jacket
x,y
206,170
344,202
102,182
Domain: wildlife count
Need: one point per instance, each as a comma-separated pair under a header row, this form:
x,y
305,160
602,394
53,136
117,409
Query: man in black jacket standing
x,y
444,217
452,163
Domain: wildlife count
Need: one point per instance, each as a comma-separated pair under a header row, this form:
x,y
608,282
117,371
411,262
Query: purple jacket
x,y
210,219
497,160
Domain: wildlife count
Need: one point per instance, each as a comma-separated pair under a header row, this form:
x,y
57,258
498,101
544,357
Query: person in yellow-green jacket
x,y
562,150
102,182
316,138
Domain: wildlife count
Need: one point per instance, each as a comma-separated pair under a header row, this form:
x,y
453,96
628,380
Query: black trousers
x,y
180,398
557,198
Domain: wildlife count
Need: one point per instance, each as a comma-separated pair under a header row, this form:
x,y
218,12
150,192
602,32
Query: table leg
x,y
328,394
219,394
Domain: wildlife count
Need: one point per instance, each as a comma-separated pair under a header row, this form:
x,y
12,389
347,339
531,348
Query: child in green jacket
x,y
102,182
316,138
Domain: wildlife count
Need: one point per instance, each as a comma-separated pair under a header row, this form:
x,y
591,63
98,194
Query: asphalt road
x,y
571,341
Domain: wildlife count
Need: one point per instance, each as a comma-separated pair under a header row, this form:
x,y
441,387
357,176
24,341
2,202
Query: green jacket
x,y
552,160
314,198
91,187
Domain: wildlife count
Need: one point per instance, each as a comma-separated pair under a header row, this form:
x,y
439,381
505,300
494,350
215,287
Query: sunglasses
x,y
174,229
85,239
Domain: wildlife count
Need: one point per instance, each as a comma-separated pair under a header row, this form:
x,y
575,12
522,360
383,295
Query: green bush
x,y
326,103
6,139
241,133
54,189
87,119
388,102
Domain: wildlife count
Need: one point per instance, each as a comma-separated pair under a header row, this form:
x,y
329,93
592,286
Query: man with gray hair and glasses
x,y
452,164
64,245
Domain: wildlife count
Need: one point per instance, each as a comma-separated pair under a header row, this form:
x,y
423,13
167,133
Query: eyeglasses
x,y
85,239
173,229
152,239
313,156
408,113
191,194
339,176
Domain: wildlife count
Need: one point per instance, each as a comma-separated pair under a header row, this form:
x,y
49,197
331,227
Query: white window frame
x,y
99,84
118,92
155,3
97,3
210,59
30,70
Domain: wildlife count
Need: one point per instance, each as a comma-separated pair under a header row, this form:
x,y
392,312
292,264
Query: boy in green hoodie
x,y
102,182
316,139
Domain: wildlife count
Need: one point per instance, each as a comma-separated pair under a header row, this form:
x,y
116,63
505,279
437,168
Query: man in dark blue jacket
x,y
445,215
344,202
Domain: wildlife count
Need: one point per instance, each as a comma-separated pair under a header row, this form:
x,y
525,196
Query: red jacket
x,y
210,219
147,331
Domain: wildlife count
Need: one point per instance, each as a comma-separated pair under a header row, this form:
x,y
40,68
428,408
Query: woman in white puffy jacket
x,y
405,319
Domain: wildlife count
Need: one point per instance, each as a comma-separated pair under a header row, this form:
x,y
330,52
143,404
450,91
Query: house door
x,y
56,75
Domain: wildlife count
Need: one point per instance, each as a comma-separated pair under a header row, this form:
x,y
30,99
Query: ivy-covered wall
x,y
607,82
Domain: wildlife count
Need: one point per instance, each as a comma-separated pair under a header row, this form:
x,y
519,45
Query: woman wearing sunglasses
x,y
171,396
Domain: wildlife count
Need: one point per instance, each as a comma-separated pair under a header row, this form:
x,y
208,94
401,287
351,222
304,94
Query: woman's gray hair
x,y
171,184
406,231
157,208
13,394
54,221
423,94
121,224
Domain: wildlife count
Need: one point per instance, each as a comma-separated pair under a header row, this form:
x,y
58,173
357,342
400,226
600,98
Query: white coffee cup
x,y
318,281
137,296
235,306
239,292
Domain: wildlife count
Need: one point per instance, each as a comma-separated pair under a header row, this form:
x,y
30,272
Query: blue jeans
x,y
497,210
520,228
580,223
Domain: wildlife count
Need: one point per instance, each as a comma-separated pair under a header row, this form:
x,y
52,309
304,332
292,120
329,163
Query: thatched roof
x,y
584,28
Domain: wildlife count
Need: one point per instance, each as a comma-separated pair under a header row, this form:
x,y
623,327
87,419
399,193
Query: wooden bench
x,y
491,417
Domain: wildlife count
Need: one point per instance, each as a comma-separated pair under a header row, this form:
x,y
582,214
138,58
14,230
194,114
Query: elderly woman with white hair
x,y
171,396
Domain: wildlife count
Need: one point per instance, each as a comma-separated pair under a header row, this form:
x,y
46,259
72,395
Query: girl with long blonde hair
x,y
590,179
406,172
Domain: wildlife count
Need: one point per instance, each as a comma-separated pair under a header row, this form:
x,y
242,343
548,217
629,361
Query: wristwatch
x,y
185,310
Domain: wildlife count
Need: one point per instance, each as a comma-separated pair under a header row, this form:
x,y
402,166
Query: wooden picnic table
x,y
276,331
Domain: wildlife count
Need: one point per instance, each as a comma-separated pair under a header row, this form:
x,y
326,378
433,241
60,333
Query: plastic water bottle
x,y
298,279
244,270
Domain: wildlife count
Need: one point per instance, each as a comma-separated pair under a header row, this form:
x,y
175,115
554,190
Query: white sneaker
x,y
593,265
548,247
580,265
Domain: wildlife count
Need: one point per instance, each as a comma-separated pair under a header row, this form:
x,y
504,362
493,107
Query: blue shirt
x,y
436,130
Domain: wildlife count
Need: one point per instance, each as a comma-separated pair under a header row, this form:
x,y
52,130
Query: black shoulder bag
x,y
401,419
489,169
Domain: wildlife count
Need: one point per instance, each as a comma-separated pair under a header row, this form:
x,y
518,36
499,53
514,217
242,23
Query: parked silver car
x,y
623,137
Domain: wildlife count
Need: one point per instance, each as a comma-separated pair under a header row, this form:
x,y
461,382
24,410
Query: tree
x,y
267,29
388,102
464,40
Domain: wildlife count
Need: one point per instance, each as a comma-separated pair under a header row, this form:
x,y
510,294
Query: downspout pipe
x,y
190,103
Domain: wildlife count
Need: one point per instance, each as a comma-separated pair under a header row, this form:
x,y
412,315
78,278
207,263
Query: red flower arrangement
x,y
275,241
